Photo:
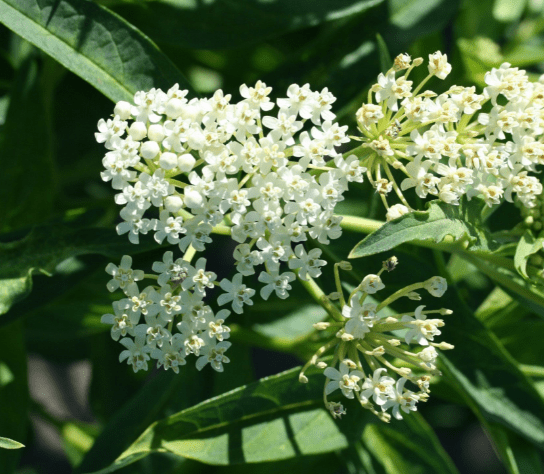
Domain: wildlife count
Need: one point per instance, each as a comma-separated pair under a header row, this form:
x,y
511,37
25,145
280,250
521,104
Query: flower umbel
x,y
365,348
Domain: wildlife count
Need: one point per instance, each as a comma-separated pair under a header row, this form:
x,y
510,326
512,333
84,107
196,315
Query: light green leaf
x,y
526,247
508,11
94,43
440,221
7,443
225,24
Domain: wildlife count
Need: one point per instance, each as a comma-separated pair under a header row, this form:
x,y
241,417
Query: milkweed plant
x,y
387,236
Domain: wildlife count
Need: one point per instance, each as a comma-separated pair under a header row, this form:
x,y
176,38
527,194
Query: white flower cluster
x,y
445,145
187,168
362,330
145,319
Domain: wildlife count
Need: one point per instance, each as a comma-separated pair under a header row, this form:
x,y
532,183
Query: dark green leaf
x,y
94,43
385,58
13,391
225,24
27,181
45,247
441,220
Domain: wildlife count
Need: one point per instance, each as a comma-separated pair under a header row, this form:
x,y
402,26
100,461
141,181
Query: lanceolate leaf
x,y
441,220
7,443
94,43
276,418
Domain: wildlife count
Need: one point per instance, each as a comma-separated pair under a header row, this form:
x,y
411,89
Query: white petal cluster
x,y
446,146
266,173
169,321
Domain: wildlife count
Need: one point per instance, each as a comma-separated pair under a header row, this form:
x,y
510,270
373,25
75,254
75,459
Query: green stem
x,y
319,296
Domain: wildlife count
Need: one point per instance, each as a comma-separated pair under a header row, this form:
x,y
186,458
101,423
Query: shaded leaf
x,y
47,246
225,24
93,43
441,220
27,181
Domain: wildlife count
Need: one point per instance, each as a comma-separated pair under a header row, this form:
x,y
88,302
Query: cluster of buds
x,y
444,145
366,342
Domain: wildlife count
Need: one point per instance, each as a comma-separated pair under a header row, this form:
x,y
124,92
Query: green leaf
x,y
7,443
507,11
441,220
45,247
526,247
486,376
518,456
385,58
225,24
27,181
274,419
148,404
13,392
93,43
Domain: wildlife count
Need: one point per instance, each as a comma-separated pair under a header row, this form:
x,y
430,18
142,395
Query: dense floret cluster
x,y
445,145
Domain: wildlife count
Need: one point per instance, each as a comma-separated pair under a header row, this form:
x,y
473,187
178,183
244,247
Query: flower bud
x,y
302,378
321,365
155,132
394,342
334,296
404,371
173,204
123,109
417,62
193,199
321,326
350,363
149,150
186,162
168,160
391,263
445,311
343,265
174,108
138,131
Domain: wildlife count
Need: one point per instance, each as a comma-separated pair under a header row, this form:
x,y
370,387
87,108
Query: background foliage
x,y
61,64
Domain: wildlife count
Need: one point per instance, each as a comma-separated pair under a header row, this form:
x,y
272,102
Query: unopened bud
x,y
302,378
413,296
445,346
390,264
345,265
423,397
321,326
391,320
334,296
321,365
394,342
417,62
347,337
428,94
378,351
350,363
404,371
385,417
397,164
445,312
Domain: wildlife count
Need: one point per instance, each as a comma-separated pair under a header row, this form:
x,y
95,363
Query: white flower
x,y
170,354
371,284
123,275
136,353
308,263
214,355
423,329
396,211
361,318
438,65
123,320
401,399
276,282
345,380
237,292
379,387
428,356
436,286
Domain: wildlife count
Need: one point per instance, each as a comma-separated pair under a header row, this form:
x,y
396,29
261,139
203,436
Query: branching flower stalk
x,y
444,145
371,349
